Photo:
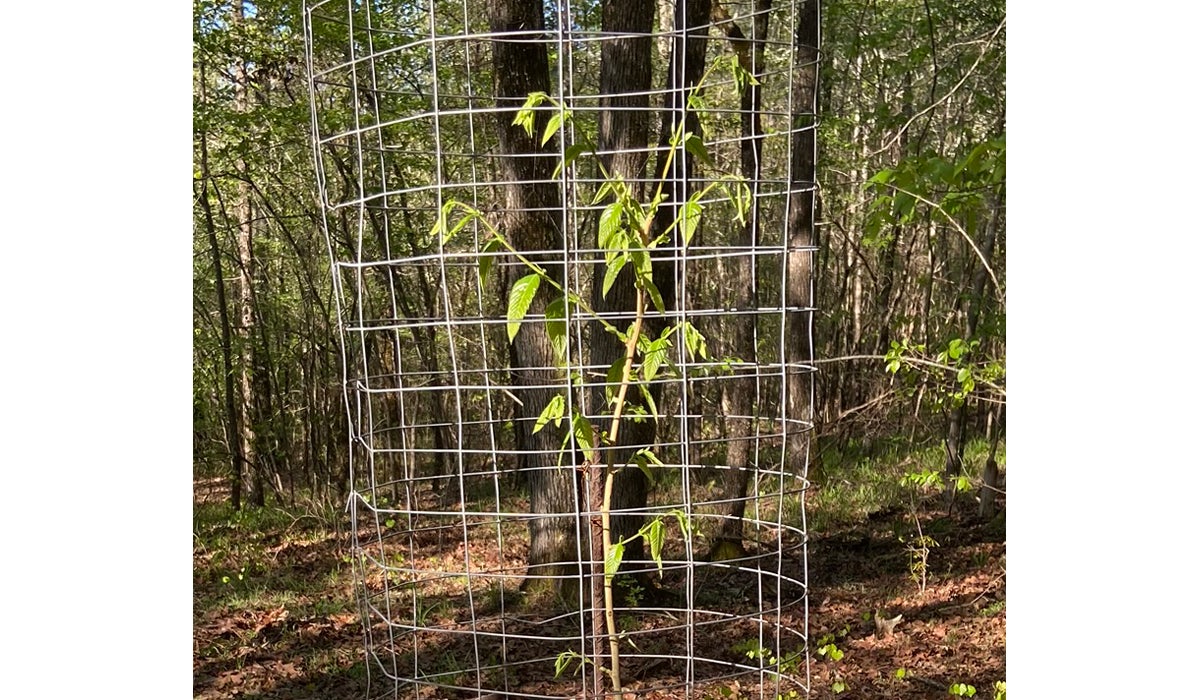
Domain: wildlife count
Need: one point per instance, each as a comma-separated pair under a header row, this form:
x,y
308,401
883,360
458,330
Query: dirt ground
x,y
298,636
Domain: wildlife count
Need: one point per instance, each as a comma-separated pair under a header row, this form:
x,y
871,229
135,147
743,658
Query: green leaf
x,y
694,341
648,397
655,295
440,228
486,260
573,152
585,437
606,188
689,216
694,145
526,115
563,662
882,177
612,560
685,526
519,299
838,686
610,226
653,534
556,327
957,348
610,274
470,215
552,126
552,412
900,673
613,379
642,462
654,357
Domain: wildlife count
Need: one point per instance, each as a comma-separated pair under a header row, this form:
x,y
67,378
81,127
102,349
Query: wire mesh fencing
x,y
572,246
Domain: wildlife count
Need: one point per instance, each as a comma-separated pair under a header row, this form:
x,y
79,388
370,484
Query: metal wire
x,y
405,116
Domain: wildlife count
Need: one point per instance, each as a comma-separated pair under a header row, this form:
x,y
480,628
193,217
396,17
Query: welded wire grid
x,y
405,120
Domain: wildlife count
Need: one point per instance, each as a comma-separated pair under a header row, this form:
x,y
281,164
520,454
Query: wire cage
x,y
572,247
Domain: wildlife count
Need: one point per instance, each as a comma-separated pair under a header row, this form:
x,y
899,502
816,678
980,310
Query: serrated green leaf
x,y
552,126
654,535
519,300
689,217
556,327
610,226
653,358
612,560
552,412
526,115
611,272
585,437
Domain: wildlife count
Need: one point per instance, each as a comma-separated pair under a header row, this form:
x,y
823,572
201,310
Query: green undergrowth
x,y
853,481
257,558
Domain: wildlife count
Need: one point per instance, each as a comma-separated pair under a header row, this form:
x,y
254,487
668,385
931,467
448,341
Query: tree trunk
x,y
245,330
991,470
956,429
801,238
738,395
623,138
521,66
232,414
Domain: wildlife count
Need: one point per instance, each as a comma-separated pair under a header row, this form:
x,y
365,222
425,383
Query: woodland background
x,y
910,341
910,334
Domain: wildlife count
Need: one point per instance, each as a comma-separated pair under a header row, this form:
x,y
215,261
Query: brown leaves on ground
x,y
310,645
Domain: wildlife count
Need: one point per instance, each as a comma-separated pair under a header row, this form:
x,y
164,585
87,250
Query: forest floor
x,y
275,618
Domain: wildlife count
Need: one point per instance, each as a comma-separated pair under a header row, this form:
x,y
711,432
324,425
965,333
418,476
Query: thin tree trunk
x,y
232,414
801,237
244,212
738,395
956,429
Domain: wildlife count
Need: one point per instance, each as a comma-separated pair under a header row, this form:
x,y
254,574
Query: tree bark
x,y
232,414
521,66
738,394
801,238
244,212
622,140
956,433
